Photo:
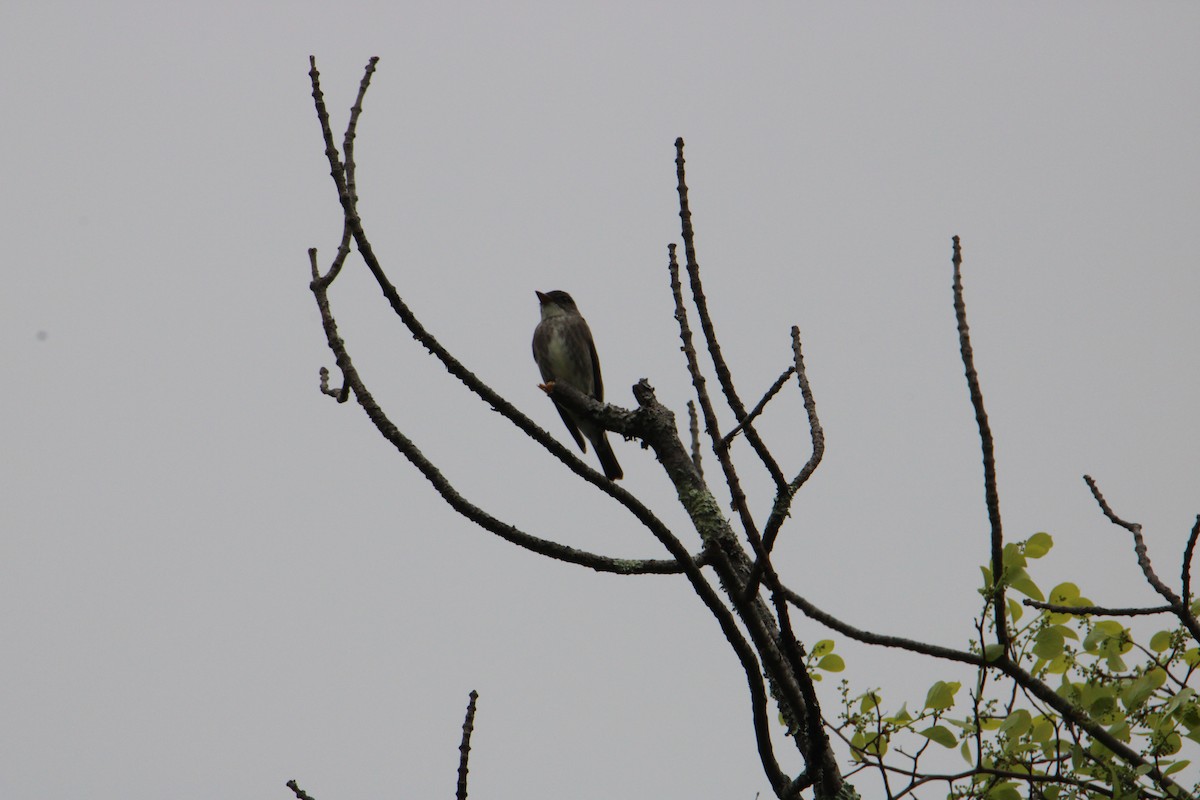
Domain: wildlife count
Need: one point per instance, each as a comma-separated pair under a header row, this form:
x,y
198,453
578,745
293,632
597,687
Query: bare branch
x,y
1143,558
464,749
1101,611
724,378
816,432
868,637
990,491
783,501
1189,553
352,128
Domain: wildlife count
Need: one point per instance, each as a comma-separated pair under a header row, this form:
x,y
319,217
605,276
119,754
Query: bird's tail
x,y
608,461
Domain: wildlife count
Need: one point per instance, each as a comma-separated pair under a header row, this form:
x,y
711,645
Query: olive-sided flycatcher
x,y
565,353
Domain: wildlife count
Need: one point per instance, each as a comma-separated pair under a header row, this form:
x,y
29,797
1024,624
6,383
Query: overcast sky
x,y
214,579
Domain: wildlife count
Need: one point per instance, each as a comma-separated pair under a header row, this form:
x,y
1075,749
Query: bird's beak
x,y
542,298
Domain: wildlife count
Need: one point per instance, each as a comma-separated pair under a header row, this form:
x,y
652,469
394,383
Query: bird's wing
x,y
597,384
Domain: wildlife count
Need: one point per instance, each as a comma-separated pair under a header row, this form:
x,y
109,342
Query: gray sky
x,y
214,579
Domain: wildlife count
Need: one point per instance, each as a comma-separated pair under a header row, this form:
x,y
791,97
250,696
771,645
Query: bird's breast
x,y
569,358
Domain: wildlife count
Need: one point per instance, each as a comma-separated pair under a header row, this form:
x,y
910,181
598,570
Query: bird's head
x,y
556,303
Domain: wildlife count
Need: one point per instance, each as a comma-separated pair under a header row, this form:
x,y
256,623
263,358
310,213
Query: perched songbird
x,y
565,353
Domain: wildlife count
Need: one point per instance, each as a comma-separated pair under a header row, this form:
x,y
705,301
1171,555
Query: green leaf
x,y
941,735
1015,610
857,742
1181,698
1060,665
831,663
987,579
1141,689
941,695
1013,557
966,752
1043,730
1048,643
1020,580
1004,791
869,702
1064,594
1038,545
1103,632
821,648
991,652
1017,723
1160,641
1101,704
1178,765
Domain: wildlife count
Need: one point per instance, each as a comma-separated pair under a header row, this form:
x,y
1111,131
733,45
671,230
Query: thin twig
x,y
352,128
300,793
343,394
816,432
1189,552
1102,611
728,438
783,501
343,250
868,637
700,384
694,433
464,748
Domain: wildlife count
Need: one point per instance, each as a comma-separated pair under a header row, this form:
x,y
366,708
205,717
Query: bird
x,y
565,353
